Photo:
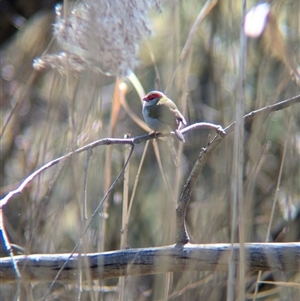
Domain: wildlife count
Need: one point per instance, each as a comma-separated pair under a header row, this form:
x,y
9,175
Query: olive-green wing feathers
x,y
168,113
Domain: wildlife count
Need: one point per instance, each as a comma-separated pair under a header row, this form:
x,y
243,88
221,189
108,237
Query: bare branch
x,y
264,112
89,147
182,236
212,257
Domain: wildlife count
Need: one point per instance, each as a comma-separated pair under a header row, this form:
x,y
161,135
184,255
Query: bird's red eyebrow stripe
x,y
152,96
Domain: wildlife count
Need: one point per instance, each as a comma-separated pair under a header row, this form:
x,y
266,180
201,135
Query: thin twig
x,y
136,181
85,174
90,222
65,157
209,5
106,141
123,243
191,286
237,185
281,283
8,246
18,99
265,111
84,220
273,206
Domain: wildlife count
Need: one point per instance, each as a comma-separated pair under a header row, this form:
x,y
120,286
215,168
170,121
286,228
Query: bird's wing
x,y
167,112
169,116
173,108
179,117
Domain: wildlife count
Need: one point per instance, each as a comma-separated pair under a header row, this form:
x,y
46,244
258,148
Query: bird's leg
x,y
155,134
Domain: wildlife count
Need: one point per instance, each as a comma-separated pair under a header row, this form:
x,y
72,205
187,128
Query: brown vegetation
x,y
68,130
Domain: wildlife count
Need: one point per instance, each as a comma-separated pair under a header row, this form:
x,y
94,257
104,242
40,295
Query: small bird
x,y
162,115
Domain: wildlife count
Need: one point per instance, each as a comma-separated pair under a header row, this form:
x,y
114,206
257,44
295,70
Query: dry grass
x,y
48,113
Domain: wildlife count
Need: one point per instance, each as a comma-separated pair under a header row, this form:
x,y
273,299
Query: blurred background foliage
x,y
57,112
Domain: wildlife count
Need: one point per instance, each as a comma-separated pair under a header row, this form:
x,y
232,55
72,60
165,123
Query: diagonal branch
x,y
89,147
182,236
265,111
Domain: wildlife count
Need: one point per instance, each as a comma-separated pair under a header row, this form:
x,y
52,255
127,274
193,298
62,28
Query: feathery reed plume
x,y
101,35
